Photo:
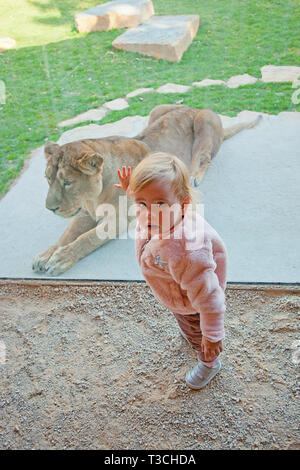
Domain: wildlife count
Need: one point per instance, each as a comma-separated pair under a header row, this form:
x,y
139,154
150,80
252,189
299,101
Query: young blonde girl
x,y
182,258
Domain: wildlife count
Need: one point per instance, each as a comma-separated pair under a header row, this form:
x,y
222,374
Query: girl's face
x,y
158,208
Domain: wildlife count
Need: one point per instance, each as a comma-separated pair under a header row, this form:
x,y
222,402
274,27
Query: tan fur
x,y
91,166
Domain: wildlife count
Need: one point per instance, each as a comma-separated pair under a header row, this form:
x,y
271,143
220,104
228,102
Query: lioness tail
x,y
232,130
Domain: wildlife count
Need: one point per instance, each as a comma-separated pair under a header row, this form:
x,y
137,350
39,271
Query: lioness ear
x,y
90,163
50,149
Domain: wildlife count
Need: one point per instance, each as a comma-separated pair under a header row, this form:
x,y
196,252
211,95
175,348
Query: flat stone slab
x,y
129,126
162,37
173,88
116,14
279,73
116,105
239,80
138,92
251,196
7,43
91,115
208,82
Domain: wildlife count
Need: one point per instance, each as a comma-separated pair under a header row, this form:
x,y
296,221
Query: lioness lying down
x,y
81,174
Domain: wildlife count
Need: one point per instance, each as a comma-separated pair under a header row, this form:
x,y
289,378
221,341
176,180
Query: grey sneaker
x,y
201,375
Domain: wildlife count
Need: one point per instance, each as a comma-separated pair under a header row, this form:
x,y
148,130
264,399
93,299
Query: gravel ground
x,y
102,366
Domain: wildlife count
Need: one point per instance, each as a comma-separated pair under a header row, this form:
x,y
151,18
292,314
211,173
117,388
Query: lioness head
x,y
74,174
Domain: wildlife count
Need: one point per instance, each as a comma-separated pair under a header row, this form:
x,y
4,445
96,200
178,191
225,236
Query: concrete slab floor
x,y
251,197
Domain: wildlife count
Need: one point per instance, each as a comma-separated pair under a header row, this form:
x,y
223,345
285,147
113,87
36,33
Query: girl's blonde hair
x,y
164,166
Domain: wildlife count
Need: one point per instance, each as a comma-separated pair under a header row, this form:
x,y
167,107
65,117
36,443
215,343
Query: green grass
x,y
56,72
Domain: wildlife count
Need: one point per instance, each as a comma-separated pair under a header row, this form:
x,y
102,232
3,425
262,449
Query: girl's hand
x,y
211,350
124,178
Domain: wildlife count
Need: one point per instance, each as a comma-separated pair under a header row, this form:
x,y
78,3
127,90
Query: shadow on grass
x,y
66,10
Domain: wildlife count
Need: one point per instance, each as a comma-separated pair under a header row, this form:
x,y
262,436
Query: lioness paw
x,y
61,260
40,260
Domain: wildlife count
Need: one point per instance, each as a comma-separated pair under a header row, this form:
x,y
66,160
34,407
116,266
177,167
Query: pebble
x,y
236,399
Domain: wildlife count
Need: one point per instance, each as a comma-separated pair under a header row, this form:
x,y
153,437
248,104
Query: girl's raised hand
x,y
124,178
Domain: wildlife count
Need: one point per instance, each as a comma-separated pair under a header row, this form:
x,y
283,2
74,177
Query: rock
x,y
91,115
173,88
115,14
140,91
162,37
129,126
116,105
7,43
209,82
279,73
239,80
236,399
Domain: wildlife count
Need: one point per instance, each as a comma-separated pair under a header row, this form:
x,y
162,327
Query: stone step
x,y
162,37
173,88
91,115
116,14
239,80
116,105
280,73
